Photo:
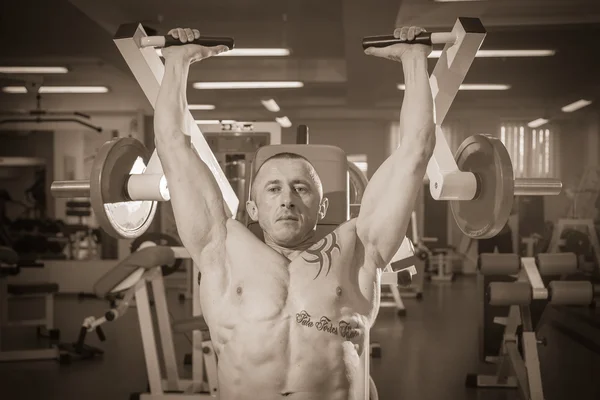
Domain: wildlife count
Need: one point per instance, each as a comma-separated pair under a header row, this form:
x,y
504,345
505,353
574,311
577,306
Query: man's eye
x,y
301,189
273,189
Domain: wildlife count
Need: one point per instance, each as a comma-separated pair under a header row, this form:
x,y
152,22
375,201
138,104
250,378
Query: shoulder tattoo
x,y
321,252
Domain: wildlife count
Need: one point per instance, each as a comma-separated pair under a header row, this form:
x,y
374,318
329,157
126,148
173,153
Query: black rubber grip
x,y
30,264
207,41
100,333
81,339
388,40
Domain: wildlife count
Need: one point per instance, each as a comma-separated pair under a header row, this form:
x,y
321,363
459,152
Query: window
x,y
533,152
360,160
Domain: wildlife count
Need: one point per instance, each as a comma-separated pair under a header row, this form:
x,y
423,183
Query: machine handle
x,y
427,38
81,339
168,40
100,333
30,264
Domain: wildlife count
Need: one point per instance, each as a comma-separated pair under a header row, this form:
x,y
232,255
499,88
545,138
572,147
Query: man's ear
x,y
323,208
252,210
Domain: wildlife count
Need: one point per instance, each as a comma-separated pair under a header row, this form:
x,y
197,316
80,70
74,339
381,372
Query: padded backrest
x,y
331,164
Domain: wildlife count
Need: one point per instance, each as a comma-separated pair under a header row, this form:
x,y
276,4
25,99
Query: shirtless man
x,y
288,317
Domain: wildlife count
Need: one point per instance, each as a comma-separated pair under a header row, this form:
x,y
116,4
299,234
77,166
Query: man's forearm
x,y
171,105
416,116
179,160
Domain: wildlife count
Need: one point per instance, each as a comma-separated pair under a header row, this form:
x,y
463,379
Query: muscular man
x,y
288,317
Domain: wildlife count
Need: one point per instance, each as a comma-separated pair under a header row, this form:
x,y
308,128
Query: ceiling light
x,y
504,53
33,70
576,105
247,85
58,89
284,122
201,107
270,105
537,123
475,86
214,121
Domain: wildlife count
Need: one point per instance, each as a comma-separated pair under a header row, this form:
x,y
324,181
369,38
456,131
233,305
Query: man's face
x,y
287,202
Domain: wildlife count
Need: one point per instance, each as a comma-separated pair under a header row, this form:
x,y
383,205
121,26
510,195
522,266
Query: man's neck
x,y
290,252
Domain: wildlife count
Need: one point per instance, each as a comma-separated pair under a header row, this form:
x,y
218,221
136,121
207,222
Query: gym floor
x,y
425,355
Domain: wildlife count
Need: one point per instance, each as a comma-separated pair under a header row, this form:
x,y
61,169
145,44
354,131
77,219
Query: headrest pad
x,y
331,165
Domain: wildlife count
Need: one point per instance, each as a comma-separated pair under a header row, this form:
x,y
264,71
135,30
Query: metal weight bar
x,y
122,193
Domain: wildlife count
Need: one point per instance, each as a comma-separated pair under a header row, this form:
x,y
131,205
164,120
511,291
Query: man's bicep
x,y
386,208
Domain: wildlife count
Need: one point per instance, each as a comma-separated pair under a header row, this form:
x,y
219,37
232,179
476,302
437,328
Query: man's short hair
x,y
289,156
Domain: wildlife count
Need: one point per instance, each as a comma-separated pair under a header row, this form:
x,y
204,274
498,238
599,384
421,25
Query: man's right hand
x,y
190,52
399,52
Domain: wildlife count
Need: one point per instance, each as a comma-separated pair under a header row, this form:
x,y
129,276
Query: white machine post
x,y
447,182
148,69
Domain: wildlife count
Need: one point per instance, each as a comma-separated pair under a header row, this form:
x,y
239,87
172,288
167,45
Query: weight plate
x,y
158,239
485,215
117,215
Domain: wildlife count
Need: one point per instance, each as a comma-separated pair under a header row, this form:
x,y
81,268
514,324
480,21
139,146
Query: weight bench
x,y
517,364
10,264
128,280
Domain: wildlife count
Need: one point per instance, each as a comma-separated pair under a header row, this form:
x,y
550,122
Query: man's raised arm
x,y
198,204
390,196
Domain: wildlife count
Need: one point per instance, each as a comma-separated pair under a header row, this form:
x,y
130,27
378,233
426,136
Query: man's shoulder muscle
x,y
240,240
225,239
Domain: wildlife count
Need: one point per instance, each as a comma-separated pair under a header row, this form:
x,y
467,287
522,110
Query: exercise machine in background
x,y
11,265
517,362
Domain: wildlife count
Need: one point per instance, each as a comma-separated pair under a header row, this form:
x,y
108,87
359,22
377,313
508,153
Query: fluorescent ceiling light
x,y
201,106
247,85
475,86
270,105
33,70
576,105
284,122
503,53
58,89
537,123
271,52
214,121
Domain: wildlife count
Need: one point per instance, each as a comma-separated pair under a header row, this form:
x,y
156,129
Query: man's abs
x,y
288,357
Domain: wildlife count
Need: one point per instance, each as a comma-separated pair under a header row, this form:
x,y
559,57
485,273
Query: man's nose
x,y
287,199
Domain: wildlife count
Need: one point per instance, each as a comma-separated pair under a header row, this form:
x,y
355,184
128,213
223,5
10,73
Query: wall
x,y
580,149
